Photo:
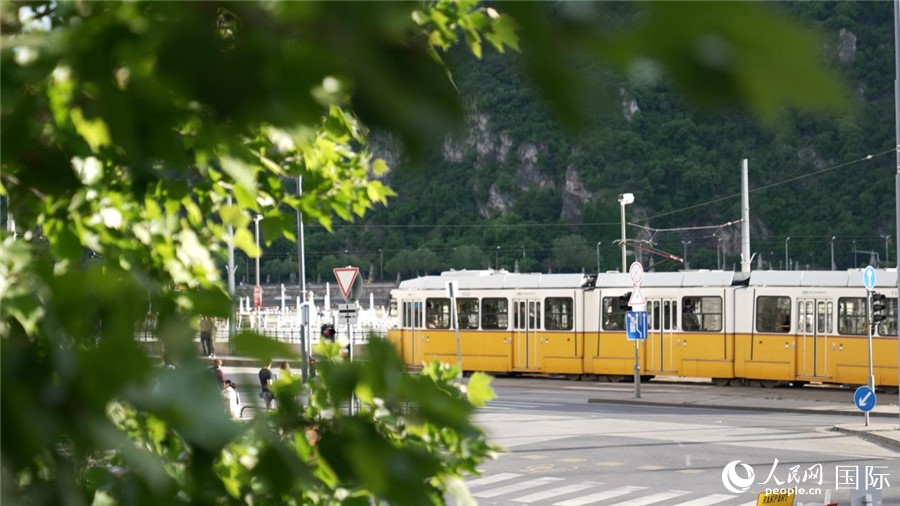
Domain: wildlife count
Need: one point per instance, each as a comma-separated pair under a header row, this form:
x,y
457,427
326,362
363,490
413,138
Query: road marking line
x,y
572,460
690,471
710,499
568,489
608,463
653,498
487,480
494,492
651,467
534,457
600,496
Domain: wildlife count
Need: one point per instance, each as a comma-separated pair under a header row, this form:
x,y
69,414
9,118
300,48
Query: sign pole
x,y
350,357
637,370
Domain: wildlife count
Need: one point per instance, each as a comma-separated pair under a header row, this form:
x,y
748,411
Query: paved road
x,y
565,451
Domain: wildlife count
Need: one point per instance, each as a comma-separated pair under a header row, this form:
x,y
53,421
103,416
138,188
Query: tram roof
x,y
672,279
884,278
491,279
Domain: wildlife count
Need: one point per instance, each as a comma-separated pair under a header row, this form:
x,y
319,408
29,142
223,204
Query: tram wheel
x,y
889,390
721,382
799,384
768,383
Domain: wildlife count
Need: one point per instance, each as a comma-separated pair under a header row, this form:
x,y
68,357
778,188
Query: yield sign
x,y
346,276
637,298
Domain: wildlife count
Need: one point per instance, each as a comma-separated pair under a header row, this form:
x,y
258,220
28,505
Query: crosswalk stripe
x,y
494,492
568,489
751,503
487,480
599,496
653,498
708,500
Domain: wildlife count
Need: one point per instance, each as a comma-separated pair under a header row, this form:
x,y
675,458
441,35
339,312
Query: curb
x,y
736,407
870,436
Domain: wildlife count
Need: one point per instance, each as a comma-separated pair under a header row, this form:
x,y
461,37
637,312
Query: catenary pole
x,y
897,148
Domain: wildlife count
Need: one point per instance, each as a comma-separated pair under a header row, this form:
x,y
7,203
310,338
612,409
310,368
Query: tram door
x,y
662,320
526,323
815,327
411,332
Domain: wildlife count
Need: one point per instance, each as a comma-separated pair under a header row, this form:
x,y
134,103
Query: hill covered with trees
x,y
519,189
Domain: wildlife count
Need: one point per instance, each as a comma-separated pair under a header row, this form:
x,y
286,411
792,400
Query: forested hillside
x,y
518,189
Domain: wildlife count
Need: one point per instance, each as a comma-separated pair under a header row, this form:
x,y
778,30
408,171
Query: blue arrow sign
x,y
636,325
869,278
864,399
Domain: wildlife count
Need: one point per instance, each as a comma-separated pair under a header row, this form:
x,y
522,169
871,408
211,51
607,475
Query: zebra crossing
x,y
506,488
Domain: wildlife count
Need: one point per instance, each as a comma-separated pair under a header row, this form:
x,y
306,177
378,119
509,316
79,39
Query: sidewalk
x,y
884,419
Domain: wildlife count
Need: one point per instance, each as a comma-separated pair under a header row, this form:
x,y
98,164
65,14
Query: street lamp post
x,y
497,258
624,200
259,253
380,265
719,259
684,253
886,237
832,253
855,263
598,256
787,265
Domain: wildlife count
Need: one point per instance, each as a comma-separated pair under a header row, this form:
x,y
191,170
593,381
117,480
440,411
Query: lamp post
x,y
380,265
719,260
886,237
624,200
684,253
259,254
787,266
832,253
497,258
854,255
598,256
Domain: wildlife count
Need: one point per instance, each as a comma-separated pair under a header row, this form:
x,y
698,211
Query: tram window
x,y
852,316
613,317
467,309
888,327
558,313
494,313
437,313
773,314
701,313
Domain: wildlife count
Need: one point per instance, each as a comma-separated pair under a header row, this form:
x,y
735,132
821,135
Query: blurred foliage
x,y
137,136
141,139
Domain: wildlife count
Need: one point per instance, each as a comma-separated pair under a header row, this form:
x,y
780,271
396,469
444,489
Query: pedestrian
x,y
232,399
286,369
266,377
217,370
207,333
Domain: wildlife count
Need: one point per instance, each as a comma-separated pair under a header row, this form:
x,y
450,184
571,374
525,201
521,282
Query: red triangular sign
x,y
346,276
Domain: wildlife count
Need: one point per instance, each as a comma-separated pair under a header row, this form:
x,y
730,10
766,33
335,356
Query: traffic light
x,y
879,305
623,302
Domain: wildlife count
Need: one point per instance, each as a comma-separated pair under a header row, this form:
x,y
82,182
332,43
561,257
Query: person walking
x,y
232,400
207,333
266,377
218,372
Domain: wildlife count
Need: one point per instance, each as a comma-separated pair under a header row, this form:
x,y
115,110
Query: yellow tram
x,y
766,327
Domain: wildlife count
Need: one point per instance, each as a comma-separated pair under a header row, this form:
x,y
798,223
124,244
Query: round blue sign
x,y
869,278
864,398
